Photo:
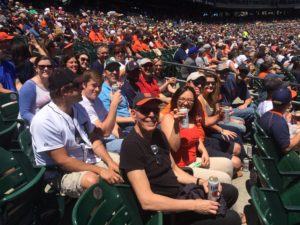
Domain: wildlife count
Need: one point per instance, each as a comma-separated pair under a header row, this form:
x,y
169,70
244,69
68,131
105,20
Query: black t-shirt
x,y
137,154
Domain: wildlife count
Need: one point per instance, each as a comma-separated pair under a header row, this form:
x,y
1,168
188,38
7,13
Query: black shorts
x,y
218,148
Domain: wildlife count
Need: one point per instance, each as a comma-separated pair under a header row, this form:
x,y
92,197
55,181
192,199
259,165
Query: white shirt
x,y
95,110
52,128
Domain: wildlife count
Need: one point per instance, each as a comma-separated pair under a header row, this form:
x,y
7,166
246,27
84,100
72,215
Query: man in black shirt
x,y
155,178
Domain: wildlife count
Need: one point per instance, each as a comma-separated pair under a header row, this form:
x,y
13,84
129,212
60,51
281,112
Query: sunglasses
x,y
84,59
199,82
210,83
155,151
42,67
147,111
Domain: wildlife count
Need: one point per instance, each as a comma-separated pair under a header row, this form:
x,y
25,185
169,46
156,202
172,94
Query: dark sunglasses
x,y
147,111
155,151
84,59
210,83
199,81
42,67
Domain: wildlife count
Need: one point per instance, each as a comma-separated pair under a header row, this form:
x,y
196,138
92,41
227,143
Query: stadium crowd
x,y
120,113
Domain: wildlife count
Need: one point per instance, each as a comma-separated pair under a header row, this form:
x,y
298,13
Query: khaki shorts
x,y
70,182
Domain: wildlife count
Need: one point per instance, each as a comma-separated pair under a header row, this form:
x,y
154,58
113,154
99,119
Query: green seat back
x,y
259,129
25,143
102,204
9,106
289,162
20,188
268,173
134,207
267,146
268,206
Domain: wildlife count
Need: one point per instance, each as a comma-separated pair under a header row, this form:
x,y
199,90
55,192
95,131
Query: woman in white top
x,y
34,94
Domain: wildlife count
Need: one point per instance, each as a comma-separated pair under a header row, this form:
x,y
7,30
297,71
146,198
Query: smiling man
x,y
157,181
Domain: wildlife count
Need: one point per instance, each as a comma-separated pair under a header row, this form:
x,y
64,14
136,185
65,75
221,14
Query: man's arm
x,y
293,142
156,202
3,90
108,124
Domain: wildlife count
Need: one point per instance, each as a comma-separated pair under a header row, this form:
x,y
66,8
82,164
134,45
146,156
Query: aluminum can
x,y
249,151
227,110
114,88
246,165
213,186
185,120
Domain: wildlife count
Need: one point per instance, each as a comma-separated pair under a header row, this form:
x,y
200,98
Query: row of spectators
x,y
80,110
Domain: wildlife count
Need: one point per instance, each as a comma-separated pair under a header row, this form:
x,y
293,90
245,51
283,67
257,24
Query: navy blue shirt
x,y
180,55
232,89
277,128
130,91
98,67
8,75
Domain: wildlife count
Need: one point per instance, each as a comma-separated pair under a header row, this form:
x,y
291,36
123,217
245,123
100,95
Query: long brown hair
x,y
213,97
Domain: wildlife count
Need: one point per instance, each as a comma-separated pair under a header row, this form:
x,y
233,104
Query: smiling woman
x,y
34,94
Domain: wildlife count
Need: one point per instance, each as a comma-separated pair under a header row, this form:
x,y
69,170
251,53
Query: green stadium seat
x,y
104,204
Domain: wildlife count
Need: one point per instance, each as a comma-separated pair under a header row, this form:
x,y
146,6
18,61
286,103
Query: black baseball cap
x,y
63,76
112,66
131,66
142,98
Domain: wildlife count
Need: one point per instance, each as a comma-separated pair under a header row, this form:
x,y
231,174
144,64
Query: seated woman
x,y
34,94
71,62
186,142
158,183
84,61
225,132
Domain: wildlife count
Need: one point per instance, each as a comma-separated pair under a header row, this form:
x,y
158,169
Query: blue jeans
x,y
247,114
113,144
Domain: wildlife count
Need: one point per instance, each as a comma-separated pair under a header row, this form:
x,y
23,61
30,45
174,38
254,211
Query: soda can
x,y
246,165
185,120
213,188
227,110
114,88
249,151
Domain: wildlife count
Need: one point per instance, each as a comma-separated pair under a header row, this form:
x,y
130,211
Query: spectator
x,y
129,87
185,142
155,178
189,61
275,125
146,82
70,62
8,80
34,94
100,63
112,77
180,54
63,136
84,61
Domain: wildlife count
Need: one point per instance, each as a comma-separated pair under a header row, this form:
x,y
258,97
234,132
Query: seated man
x,y
158,183
129,87
63,137
99,116
275,125
112,75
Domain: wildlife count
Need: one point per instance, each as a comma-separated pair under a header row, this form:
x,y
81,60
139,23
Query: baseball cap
x,y
131,66
142,98
144,61
4,36
244,69
193,50
194,76
207,46
112,66
281,96
61,77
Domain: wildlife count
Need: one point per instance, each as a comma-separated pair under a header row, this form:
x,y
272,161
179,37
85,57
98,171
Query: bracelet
x,y
197,182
